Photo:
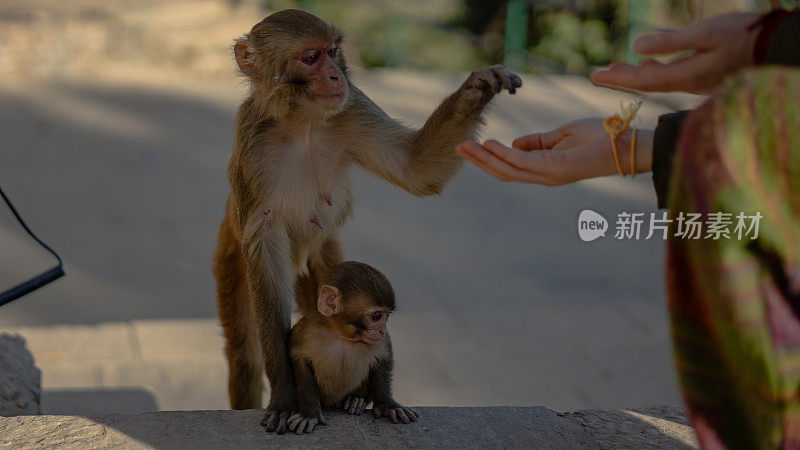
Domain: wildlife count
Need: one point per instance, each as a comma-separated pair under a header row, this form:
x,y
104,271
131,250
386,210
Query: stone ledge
x,y
20,380
441,427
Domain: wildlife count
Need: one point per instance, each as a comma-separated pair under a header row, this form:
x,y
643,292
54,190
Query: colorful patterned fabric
x,y
735,304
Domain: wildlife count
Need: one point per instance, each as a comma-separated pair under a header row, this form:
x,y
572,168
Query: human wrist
x,y
643,161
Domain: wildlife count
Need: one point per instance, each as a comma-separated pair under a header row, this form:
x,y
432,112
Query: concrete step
x,y
438,427
441,359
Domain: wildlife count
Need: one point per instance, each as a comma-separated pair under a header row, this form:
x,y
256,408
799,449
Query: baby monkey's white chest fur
x,y
340,366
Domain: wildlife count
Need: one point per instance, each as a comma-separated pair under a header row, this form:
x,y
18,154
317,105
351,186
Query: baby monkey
x,y
341,351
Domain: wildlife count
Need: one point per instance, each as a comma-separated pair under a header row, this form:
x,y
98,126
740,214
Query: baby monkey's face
x,y
370,326
356,299
356,317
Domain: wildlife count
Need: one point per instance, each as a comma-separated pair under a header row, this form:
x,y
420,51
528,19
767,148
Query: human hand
x,y
720,46
572,152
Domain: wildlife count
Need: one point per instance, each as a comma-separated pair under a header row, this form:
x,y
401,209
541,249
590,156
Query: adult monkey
x,y
299,131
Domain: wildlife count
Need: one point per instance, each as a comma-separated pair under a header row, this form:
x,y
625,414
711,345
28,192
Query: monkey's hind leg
x,y
245,364
305,293
328,255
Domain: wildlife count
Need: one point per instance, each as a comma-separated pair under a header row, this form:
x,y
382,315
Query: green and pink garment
x,y
735,304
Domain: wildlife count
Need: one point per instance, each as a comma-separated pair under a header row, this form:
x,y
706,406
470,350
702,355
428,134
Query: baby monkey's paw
x,y
304,423
275,420
395,413
353,404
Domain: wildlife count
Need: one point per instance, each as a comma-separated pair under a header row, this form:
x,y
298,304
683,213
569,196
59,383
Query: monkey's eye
x,y
310,57
376,316
332,51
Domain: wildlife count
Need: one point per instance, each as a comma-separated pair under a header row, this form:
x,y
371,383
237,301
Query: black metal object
x,y
35,282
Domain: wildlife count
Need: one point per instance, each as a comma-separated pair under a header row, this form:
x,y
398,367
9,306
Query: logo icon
x,y
591,225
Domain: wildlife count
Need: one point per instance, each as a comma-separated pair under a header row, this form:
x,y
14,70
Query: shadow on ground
x,y
128,184
97,402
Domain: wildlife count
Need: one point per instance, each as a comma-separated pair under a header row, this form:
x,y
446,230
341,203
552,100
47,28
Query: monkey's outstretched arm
x,y
423,161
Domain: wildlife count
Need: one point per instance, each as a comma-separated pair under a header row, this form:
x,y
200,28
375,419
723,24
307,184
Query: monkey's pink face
x,y
373,325
320,64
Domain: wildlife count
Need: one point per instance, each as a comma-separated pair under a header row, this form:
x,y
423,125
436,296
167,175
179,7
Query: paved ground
x,y
498,427
500,303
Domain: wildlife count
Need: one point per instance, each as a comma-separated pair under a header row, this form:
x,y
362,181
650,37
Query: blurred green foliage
x,y
573,43
458,35
388,33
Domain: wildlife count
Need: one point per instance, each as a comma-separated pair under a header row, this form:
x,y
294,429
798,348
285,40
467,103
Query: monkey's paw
x,y
304,423
274,420
395,412
495,79
354,405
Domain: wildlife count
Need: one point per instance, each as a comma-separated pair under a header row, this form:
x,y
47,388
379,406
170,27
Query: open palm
x,y
573,152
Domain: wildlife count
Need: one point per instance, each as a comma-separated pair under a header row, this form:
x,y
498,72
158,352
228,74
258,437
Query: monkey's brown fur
x,y
341,350
298,133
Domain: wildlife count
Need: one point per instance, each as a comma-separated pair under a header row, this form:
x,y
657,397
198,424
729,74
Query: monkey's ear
x,y
245,56
328,300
